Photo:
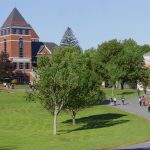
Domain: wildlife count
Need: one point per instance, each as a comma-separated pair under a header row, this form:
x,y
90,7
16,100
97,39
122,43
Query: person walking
x,y
123,100
115,101
140,101
148,107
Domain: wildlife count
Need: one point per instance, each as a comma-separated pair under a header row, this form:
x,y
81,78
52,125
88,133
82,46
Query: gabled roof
x,y
38,46
49,47
15,19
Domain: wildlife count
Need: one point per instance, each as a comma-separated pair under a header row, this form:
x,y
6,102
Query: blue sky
x,y
92,21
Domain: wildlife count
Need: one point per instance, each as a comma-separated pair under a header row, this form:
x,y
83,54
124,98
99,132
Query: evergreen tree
x,y
5,66
69,39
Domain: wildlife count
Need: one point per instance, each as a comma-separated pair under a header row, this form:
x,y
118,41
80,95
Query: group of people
x,y
114,100
143,101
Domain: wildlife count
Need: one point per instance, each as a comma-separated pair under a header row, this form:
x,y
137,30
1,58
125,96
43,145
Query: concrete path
x,y
133,107
142,146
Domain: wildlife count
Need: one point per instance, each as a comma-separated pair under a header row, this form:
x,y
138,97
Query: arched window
x,y
5,46
20,47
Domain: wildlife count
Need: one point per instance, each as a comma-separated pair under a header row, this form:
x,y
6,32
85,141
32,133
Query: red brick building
x,y
20,41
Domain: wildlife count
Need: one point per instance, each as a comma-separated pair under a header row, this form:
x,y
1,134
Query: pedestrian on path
x,y
115,101
148,107
123,99
111,101
140,101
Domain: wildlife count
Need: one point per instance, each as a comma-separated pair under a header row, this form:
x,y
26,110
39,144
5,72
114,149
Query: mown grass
x,y
27,126
128,93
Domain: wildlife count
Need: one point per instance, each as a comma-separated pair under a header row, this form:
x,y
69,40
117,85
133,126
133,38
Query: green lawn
x,y
128,93
26,126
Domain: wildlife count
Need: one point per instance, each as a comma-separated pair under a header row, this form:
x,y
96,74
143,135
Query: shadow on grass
x,y
7,148
126,93
98,121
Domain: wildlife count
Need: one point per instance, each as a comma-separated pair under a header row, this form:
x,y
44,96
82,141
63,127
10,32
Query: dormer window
x,y
27,32
4,32
14,31
8,31
20,31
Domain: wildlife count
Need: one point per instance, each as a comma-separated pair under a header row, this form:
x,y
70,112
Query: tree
x,y
87,90
106,55
63,80
5,66
69,39
129,63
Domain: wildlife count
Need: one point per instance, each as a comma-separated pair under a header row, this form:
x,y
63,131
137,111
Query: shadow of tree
x,y
7,148
126,93
98,121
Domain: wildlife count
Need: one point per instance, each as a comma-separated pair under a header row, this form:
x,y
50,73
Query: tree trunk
x,y
122,85
73,117
112,91
55,120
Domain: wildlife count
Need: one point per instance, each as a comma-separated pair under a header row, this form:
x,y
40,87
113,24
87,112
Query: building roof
x,y
15,19
38,46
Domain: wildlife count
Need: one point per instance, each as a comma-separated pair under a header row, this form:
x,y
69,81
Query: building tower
x,y
16,37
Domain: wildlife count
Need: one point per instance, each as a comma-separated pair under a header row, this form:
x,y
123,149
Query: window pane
x,y
20,31
27,32
21,66
20,47
14,31
27,66
5,46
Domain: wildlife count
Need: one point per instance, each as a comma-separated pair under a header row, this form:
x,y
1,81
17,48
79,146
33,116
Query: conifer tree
x,y
5,66
69,39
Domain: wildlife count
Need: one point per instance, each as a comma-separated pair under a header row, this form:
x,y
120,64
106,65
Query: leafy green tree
x,y
106,55
69,39
129,63
64,82
5,66
87,92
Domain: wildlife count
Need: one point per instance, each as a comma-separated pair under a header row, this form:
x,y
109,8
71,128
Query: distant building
x,y
147,59
21,42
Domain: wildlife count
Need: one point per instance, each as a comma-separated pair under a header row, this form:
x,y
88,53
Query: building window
x,y
5,46
8,31
14,31
20,31
14,65
20,47
27,32
27,65
4,32
21,66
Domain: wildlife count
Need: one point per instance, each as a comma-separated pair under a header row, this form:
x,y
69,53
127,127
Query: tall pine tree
x,y
69,39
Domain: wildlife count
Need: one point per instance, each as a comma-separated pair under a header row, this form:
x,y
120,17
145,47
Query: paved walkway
x,y
133,107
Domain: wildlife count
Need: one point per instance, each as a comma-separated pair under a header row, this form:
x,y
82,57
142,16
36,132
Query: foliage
x,y
69,39
65,80
5,66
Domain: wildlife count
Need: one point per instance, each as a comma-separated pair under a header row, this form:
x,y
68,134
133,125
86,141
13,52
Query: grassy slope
x,y
26,126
